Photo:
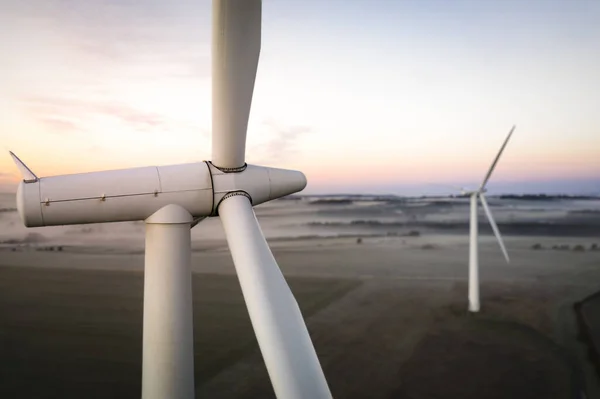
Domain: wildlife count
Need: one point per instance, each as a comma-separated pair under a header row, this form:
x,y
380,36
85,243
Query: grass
x,y
78,333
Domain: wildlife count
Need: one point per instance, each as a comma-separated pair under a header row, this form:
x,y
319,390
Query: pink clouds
x,y
70,115
58,125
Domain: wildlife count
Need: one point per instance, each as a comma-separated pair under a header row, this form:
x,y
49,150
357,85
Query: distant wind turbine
x,y
474,304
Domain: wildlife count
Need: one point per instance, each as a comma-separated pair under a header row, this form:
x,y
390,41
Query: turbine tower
x,y
474,304
171,200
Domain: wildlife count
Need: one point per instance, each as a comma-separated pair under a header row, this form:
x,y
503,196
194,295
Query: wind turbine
x,y
474,304
171,200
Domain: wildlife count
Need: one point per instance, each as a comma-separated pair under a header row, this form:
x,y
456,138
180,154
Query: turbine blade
x,y
489,173
235,51
26,173
282,335
494,226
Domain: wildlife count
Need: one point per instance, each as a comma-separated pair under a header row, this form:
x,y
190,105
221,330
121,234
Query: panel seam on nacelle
x,y
212,187
40,196
159,181
270,184
121,196
102,197
185,191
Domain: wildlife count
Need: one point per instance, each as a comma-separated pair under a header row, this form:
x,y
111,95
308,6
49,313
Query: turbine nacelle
x,y
136,193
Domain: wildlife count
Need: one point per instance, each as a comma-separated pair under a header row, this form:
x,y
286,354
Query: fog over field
x,y
303,217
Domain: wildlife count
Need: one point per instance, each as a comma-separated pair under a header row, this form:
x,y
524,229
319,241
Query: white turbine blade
x,y
235,51
494,226
284,341
489,173
26,173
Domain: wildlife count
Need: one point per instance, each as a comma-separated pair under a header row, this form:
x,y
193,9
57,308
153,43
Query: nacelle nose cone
x,y
285,182
262,184
29,204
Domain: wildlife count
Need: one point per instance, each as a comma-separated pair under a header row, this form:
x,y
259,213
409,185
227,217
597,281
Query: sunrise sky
x,y
363,96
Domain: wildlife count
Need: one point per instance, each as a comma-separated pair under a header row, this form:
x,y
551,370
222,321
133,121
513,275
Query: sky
x,y
371,96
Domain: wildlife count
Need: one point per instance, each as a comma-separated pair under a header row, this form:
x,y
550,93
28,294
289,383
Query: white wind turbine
x,y
473,230
171,200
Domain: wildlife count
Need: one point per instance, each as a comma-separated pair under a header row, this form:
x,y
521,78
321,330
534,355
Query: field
x,y
64,332
400,340
382,285
382,329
